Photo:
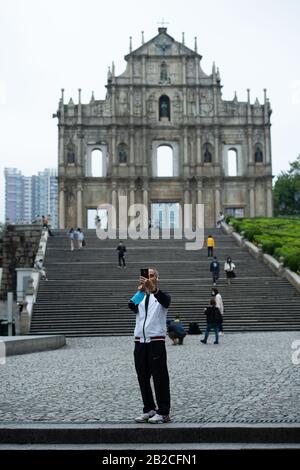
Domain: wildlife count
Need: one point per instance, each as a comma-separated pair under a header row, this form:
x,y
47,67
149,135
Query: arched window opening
x,y
258,156
232,162
165,164
164,108
97,217
97,163
207,154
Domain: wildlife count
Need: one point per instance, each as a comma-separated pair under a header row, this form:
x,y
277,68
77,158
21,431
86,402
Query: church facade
x,y
164,106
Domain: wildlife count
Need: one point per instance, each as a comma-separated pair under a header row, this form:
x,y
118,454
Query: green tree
x,y
287,191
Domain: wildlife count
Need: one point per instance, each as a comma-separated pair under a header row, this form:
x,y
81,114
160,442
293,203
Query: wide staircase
x,y
87,294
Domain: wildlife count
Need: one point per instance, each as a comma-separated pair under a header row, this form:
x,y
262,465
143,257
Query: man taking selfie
x,y
150,356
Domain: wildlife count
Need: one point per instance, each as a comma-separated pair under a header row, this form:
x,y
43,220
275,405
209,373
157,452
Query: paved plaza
x,y
247,378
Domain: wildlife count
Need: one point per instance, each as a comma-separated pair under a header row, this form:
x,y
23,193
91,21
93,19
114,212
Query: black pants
x,y
210,251
121,258
150,359
49,231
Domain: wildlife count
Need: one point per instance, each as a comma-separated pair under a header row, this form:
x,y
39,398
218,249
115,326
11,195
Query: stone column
x,y
269,199
216,139
186,200
61,133
186,196
197,70
89,162
79,108
144,153
249,142
145,196
267,145
80,170
192,149
198,150
199,192
131,151
79,204
252,199
131,103
113,146
183,68
217,200
185,153
62,214
113,102
114,198
131,193
143,88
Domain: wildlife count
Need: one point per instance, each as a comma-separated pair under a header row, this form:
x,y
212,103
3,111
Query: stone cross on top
x,y
163,46
163,23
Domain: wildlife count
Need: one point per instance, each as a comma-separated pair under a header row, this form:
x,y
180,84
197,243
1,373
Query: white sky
x,y
49,45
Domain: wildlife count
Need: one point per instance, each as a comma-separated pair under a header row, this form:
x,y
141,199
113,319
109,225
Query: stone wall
x,y
20,245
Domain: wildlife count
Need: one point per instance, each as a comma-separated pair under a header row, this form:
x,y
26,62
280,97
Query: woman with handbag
x,y
229,268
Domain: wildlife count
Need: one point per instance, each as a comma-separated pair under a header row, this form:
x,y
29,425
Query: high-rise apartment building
x,y
27,197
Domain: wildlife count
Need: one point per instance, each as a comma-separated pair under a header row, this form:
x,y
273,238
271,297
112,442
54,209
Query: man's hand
x,y
147,285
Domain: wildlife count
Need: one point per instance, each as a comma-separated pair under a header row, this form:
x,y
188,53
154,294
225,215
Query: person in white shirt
x,y
39,266
220,219
150,355
81,241
219,303
229,268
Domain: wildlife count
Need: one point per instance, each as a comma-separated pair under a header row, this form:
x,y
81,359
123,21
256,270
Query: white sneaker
x,y
221,333
145,417
158,419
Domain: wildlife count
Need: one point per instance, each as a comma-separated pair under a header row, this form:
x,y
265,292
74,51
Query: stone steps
x,y
87,295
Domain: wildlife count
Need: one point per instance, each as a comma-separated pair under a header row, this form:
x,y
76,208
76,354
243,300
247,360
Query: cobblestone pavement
x,y
247,378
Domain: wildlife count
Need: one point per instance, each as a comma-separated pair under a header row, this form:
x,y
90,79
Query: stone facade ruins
x,y
220,150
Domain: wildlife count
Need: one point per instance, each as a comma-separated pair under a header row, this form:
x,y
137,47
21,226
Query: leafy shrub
x,y
278,237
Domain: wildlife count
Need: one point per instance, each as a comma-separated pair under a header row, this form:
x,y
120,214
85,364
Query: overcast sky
x,y
49,45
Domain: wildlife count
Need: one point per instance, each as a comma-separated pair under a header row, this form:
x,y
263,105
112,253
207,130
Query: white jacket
x,y
152,325
219,303
229,267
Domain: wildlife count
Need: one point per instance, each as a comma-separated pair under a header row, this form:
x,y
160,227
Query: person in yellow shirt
x,y
210,246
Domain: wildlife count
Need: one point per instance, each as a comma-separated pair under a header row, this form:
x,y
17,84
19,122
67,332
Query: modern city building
x,y
27,197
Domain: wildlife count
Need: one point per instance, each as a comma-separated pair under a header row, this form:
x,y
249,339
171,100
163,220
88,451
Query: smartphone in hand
x,y
145,273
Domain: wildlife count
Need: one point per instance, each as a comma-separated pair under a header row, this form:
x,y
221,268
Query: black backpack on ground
x,y
194,329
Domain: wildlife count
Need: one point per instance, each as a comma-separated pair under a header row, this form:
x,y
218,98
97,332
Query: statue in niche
x,y
206,104
177,104
163,73
70,155
207,155
191,103
258,155
122,154
164,109
123,103
150,104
